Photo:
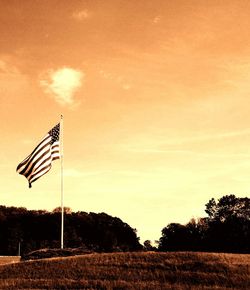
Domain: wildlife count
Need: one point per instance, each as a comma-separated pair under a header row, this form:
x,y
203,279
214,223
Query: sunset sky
x,y
155,99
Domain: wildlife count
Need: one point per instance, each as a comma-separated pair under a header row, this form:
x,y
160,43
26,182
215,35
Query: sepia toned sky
x,y
155,99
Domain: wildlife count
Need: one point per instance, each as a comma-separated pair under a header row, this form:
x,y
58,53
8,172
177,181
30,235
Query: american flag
x,y
39,161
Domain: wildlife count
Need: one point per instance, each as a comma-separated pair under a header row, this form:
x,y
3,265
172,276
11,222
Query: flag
x,y
40,160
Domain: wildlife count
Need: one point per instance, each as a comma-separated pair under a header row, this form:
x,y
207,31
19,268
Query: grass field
x,y
183,270
9,259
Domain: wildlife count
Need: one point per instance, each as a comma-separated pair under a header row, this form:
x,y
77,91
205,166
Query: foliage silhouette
x,y
226,229
41,229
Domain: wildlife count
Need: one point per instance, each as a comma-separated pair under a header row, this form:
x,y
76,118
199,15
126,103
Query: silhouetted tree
x,y
227,207
66,210
229,224
226,229
173,237
41,229
147,245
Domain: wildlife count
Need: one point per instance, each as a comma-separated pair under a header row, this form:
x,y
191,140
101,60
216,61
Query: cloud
x,y
187,152
81,15
7,68
126,87
208,137
62,84
116,79
72,172
157,19
27,141
172,146
12,81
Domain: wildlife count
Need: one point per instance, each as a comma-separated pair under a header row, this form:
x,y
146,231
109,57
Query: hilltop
x,y
137,271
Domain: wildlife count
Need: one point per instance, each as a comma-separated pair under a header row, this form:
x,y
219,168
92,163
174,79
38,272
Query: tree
x,y
41,229
66,210
229,224
227,207
147,245
174,237
226,229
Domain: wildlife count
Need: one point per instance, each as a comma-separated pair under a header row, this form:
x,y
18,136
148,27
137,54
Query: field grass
x,y
9,259
137,271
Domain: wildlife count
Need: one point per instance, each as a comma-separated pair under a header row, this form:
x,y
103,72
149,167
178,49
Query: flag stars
x,y
54,133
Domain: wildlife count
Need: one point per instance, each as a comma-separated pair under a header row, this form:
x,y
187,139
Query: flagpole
x,y
61,153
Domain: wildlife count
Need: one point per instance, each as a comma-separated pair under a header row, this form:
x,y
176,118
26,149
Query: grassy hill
x,y
183,270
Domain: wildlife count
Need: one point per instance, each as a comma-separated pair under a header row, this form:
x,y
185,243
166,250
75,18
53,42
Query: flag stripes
x,y
40,160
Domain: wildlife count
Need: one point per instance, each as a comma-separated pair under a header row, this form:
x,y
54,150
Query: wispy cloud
x,y
208,137
27,141
120,80
12,80
81,15
126,86
178,145
187,152
62,84
156,19
76,173
7,68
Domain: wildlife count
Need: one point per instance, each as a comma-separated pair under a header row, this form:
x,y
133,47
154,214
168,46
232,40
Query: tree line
x,y
225,229
37,229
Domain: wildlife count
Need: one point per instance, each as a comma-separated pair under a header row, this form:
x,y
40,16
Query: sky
x,y
155,100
